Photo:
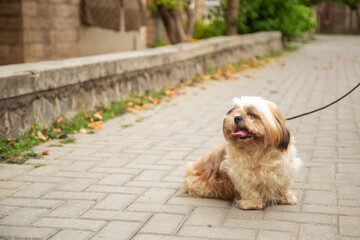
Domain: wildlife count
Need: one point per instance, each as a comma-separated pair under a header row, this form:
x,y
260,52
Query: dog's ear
x,y
283,134
284,138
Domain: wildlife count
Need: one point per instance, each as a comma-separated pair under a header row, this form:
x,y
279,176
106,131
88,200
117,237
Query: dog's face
x,y
255,121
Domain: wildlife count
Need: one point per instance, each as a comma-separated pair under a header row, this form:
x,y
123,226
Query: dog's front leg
x,y
287,199
250,201
250,204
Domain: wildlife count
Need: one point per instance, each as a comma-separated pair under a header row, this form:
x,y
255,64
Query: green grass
x,y
140,119
68,140
18,149
39,165
274,53
158,44
291,48
127,125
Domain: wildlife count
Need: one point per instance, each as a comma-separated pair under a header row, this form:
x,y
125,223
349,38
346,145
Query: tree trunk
x,y
174,24
231,17
191,19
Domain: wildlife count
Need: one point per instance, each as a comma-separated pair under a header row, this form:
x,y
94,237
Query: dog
x,y
256,164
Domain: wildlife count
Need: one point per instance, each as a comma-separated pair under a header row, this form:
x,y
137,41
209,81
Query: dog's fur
x,y
256,164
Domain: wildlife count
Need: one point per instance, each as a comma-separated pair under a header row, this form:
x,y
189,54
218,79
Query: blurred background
x,y
39,30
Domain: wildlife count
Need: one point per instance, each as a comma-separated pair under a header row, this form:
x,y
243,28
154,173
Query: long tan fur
x,y
255,168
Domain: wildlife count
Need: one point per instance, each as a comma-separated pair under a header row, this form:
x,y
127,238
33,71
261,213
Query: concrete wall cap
x,y
20,79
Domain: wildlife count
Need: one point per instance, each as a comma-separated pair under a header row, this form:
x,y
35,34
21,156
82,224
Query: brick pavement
x,y
123,183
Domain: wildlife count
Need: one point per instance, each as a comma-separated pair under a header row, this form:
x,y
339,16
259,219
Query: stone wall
x,y
41,91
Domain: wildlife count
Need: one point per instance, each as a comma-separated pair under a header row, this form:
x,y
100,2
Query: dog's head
x,y
255,121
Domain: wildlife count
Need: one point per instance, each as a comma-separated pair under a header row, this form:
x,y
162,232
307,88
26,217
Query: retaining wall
x,y
39,92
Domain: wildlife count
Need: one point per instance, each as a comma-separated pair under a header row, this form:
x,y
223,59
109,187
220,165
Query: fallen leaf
x,y
98,116
130,104
189,118
57,130
169,93
60,119
45,152
181,85
155,100
248,75
83,130
9,140
131,110
203,88
63,136
274,91
206,77
229,67
96,124
40,136
75,131
145,105
270,81
87,116
137,107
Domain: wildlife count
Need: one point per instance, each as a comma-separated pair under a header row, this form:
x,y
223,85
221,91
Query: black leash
x,y
319,109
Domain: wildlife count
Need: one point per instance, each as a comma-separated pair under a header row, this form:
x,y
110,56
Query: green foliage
x,y
352,4
158,43
170,3
215,25
290,17
312,2
203,30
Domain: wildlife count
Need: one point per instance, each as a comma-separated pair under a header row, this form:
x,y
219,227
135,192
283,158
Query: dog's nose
x,y
237,119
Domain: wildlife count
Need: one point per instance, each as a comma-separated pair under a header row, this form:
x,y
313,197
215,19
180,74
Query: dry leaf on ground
x,y
83,130
45,152
95,125
40,136
57,130
98,116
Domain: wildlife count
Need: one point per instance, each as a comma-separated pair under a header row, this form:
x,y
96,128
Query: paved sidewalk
x,y
124,183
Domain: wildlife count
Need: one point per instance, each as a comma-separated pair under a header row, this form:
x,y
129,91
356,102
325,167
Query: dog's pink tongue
x,y
241,133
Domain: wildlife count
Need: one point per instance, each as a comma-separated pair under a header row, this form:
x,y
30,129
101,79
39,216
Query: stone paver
x,y
125,183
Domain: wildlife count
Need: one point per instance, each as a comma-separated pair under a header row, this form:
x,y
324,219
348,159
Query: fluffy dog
x,y
256,164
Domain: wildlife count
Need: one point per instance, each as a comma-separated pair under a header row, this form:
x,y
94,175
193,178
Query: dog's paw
x,y
252,204
288,199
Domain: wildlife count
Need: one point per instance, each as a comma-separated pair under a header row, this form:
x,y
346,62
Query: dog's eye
x,y
253,115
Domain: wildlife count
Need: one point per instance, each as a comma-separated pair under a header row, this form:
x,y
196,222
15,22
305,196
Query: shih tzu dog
x,y
256,164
